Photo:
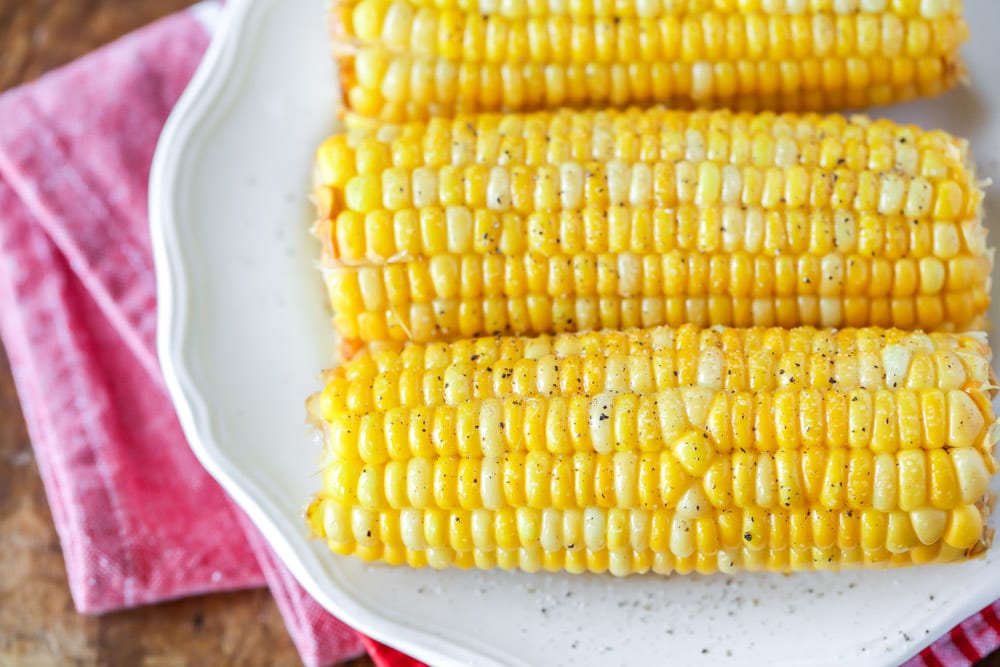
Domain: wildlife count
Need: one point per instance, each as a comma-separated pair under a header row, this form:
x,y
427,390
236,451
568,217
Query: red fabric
x,y
139,520
970,641
383,656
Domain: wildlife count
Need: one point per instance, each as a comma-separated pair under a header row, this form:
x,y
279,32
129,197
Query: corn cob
x,y
661,449
568,221
403,60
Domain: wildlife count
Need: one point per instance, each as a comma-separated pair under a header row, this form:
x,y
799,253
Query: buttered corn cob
x,y
661,449
567,221
404,60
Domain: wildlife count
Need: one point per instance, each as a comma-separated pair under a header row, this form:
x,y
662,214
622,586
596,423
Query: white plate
x,y
244,332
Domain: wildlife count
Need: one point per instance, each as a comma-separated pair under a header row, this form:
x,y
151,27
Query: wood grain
x,y
38,625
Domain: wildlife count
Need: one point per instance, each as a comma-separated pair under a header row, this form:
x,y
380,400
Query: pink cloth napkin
x,y
139,519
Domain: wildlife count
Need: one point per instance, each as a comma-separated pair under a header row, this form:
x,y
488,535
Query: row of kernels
x,y
879,535
566,86
844,341
671,275
541,138
642,371
687,479
878,420
619,563
847,370
494,426
706,193
382,235
410,88
446,278
538,314
687,341
704,134
381,239
626,562
882,420
860,419
733,229
946,382
485,352
400,26
929,9
856,479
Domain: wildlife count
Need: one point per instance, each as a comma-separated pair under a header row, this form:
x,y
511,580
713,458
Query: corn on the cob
x,y
573,220
404,60
661,449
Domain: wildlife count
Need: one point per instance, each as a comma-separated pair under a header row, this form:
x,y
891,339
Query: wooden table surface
x,y
38,625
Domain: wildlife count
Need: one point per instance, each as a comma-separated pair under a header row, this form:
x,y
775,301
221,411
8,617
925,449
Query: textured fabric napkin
x,y
139,520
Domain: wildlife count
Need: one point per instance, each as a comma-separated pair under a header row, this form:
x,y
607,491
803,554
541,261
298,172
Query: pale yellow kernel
x,y
900,536
965,527
929,524
972,473
885,480
912,479
966,423
682,537
364,193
